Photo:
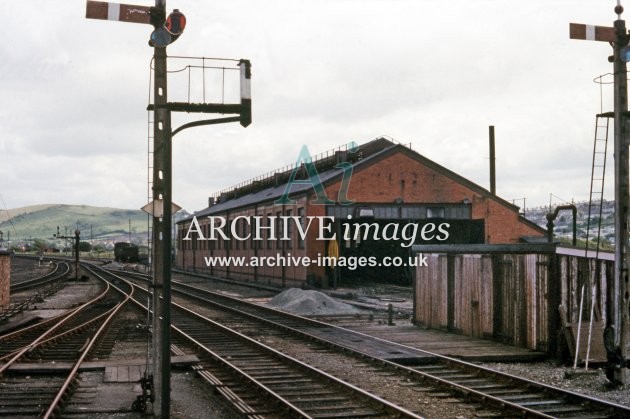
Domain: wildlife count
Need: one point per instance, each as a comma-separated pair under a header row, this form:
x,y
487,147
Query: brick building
x,y
383,184
5,279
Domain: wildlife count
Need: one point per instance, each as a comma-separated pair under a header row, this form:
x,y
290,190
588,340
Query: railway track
x,y
509,394
68,338
44,286
261,382
61,269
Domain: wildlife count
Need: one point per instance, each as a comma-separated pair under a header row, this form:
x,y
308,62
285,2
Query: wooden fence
x,y
509,293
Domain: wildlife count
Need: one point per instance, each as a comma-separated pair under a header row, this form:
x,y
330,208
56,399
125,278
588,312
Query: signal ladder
x,y
598,172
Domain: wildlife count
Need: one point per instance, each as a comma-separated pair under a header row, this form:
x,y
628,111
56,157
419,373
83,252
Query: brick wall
x,y
5,279
400,176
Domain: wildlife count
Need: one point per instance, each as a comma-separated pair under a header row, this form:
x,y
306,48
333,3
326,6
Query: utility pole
x,y
162,190
617,333
77,241
167,30
621,374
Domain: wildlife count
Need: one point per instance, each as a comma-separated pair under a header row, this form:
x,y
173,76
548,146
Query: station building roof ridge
x,y
368,153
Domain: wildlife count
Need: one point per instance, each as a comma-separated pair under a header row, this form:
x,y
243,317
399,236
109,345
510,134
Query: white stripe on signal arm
x,y
113,11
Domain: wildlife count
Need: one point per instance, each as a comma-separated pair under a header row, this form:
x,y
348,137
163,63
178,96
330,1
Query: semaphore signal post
x,y
166,30
617,333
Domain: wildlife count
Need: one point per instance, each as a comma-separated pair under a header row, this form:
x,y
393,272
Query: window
x,y
302,223
269,241
278,230
289,230
435,212
244,233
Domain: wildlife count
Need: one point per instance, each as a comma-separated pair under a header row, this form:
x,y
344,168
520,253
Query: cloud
x,y
428,73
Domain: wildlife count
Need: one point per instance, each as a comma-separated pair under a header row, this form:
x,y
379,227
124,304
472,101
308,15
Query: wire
x,y
9,215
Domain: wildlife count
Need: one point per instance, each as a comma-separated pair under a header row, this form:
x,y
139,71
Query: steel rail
x,y
59,336
54,407
391,365
48,332
389,407
461,389
569,397
42,280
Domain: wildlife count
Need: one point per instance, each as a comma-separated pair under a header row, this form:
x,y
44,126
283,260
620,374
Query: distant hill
x,y
41,221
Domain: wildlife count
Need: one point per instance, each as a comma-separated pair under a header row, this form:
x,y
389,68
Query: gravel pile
x,y
310,302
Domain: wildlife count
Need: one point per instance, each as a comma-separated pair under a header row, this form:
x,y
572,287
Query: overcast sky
x,y
433,74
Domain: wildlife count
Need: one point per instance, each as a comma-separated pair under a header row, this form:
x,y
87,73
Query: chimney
x,y
493,173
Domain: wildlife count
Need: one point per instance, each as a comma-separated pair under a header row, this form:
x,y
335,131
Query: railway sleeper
x,y
318,399
31,411
242,406
299,392
514,398
542,402
502,391
266,368
248,409
345,415
568,409
285,376
292,382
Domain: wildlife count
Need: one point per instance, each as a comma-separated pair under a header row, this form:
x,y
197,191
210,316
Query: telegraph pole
x,y
620,373
77,241
167,30
162,190
617,333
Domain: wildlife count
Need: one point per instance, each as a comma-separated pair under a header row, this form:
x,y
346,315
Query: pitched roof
x,y
272,186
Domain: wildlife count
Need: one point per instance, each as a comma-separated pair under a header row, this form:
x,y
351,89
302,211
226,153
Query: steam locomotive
x,y
125,252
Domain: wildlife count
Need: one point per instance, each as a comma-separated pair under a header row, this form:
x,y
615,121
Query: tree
x,y
39,245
